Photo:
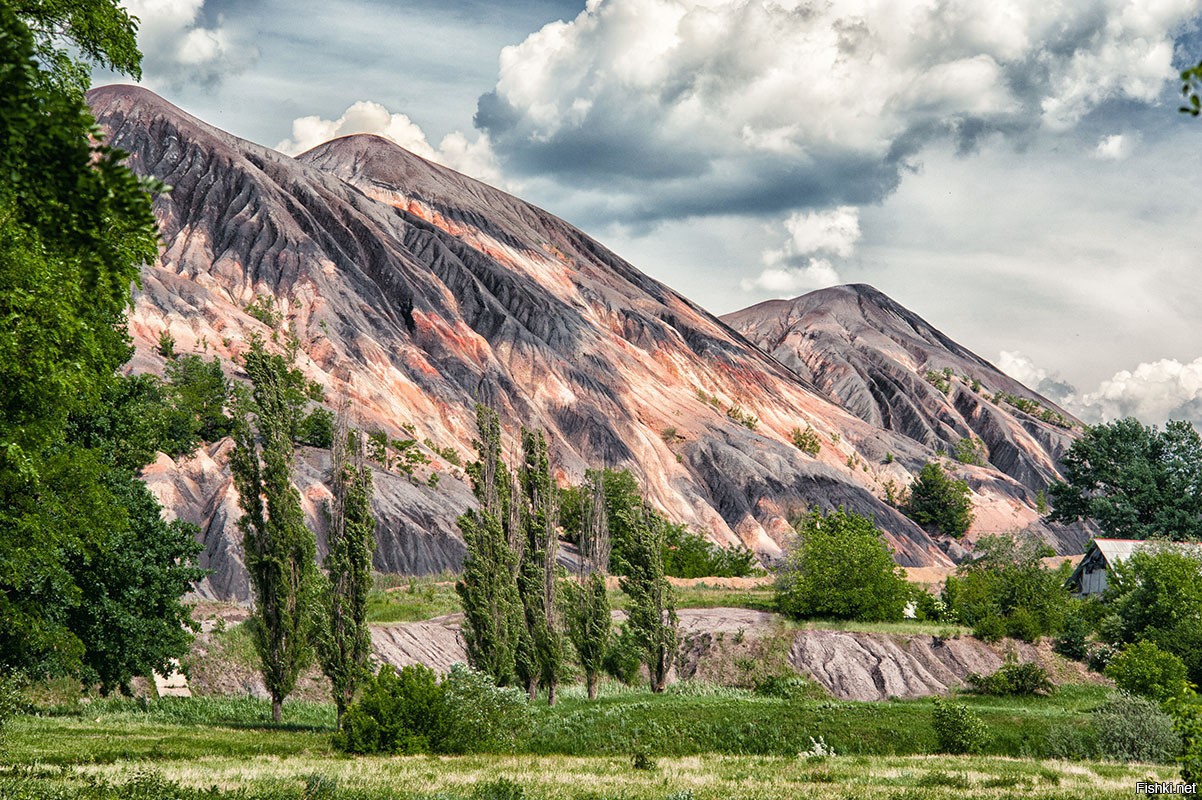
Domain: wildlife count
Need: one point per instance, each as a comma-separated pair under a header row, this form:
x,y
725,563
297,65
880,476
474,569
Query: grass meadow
x,y
702,741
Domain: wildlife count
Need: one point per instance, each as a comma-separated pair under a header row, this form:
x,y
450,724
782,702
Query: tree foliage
x,y
90,575
1156,596
536,568
1006,590
343,638
280,551
1134,481
840,568
589,624
652,622
939,502
493,616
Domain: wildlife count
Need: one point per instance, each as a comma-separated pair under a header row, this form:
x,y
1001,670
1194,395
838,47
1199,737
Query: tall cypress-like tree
x,y
536,575
589,622
280,550
652,621
344,641
493,624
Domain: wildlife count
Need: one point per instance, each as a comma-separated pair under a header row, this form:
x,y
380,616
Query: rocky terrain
x,y
723,646
417,292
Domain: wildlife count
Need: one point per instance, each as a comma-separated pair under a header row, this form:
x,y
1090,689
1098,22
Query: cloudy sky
x,y
1014,171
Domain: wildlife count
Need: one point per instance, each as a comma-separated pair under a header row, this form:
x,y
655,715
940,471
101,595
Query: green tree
x,y
652,622
940,502
589,623
90,576
280,551
344,641
1007,590
536,571
493,623
1134,481
1156,595
840,568
198,392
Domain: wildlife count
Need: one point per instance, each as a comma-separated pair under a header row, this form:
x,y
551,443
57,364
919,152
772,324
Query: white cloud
x,y
1021,368
780,104
473,158
1114,148
1154,392
179,48
818,273
834,232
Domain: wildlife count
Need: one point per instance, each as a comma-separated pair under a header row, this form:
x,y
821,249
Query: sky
x,y
1016,172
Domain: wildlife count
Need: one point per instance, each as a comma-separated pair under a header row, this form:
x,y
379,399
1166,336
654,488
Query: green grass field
x,y
706,742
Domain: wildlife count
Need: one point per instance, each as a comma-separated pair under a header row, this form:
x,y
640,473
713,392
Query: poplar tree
x,y
652,620
280,551
589,622
536,575
493,624
344,643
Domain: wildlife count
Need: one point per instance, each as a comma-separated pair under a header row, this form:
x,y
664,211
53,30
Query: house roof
x,y
1113,551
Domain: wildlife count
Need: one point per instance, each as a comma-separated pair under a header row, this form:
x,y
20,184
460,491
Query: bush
x,y
623,658
1073,642
399,712
1144,669
1013,679
784,687
316,429
806,441
1007,590
411,712
840,568
1187,723
957,730
939,502
1135,729
482,717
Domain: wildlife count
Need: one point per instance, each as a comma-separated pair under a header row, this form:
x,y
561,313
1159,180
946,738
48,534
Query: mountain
x,y
894,370
417,292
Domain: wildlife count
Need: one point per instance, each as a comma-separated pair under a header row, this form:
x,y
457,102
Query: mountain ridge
x,y
417,292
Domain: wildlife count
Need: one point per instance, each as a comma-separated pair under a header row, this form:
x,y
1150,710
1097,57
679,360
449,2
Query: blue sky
x,y
1015,172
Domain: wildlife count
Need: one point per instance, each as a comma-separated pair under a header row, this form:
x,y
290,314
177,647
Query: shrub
x,y
784,687
969,450
691,555
263,309
957,730
1013,679
840,568
1135,729
316,429
1007,590
939,502
740,416
1073,642
482,717
623,658
399,712
167,345
1187,723
1144,669
642,759
806,441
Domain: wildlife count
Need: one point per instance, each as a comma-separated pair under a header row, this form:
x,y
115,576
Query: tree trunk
x,y
277,709
551,687
592,685
532,689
